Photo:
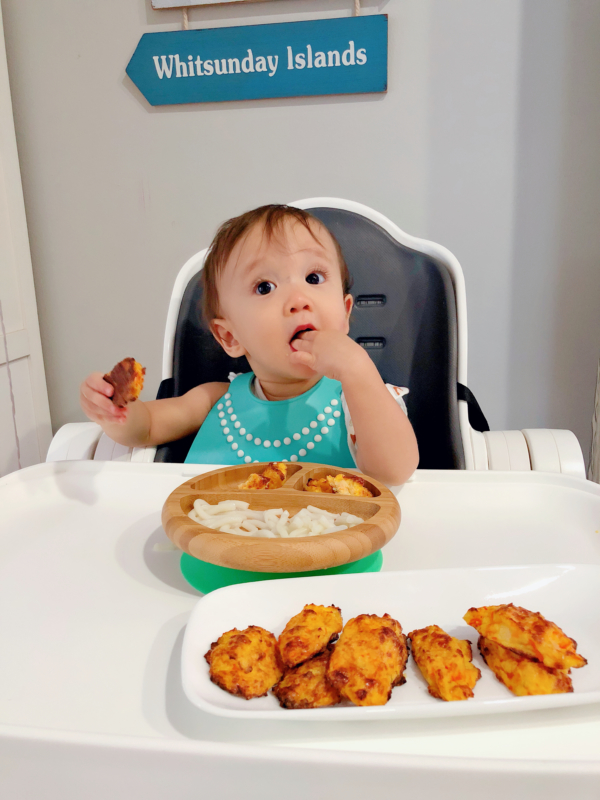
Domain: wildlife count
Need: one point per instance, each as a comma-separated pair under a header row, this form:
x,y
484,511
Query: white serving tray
x,y
566,594
93,612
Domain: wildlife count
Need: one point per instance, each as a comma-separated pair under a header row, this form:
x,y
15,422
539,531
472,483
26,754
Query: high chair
x,y
409,314
95,594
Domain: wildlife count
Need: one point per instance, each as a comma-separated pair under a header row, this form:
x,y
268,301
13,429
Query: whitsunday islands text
x,y
173,66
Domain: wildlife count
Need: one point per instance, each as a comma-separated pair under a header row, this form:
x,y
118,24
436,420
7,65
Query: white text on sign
x,y
173,66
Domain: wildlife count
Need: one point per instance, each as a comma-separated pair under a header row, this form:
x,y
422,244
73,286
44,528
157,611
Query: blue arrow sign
x,y
290,59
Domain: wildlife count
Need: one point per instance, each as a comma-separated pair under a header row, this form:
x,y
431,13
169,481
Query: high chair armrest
x,y
555,451
539,449
143,455
75,441
507,450
107,450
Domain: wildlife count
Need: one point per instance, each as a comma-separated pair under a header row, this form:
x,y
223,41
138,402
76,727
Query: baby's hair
x,y
230,232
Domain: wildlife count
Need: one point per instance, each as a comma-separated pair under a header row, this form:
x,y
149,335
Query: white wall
x,y
485,142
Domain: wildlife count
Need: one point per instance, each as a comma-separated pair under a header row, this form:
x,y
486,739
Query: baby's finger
x,y
99,404
304,345
307,336
122,415
95,412
97,399
94,386
302,357
96,382
105,419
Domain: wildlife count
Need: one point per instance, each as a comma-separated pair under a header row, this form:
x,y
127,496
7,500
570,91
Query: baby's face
x,y
271,289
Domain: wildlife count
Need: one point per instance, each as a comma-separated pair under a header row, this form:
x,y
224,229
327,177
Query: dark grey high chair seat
x,y
405,316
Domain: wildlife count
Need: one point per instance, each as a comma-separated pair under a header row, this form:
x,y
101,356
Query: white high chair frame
x,y
541,449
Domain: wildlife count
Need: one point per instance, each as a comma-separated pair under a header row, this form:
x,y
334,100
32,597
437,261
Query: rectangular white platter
x,y
568,595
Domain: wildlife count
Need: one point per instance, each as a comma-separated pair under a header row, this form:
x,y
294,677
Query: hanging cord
x,y
356,8
10,386
186,21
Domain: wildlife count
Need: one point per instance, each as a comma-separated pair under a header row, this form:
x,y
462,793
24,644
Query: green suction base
x,y
207,577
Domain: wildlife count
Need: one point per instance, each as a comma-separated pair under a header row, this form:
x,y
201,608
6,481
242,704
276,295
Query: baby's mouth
x,y
298,332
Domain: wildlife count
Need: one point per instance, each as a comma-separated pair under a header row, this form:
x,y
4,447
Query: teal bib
x,y
242,428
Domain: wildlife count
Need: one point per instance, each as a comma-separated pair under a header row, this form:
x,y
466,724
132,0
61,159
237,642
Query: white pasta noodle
x,y
235,516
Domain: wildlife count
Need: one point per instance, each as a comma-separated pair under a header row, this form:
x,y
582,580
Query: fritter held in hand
x,y
445,663
245,663
527,633
306,686
369,660
272,477
309,633
522,675
127,378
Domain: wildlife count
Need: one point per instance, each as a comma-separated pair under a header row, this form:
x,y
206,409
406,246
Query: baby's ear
x,y
220,329
348,303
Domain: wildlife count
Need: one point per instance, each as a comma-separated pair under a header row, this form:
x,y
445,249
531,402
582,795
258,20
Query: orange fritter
x,y
445,663
309,633
522,675
344,484
527,633
340,484
318,485
275,472
272,477
127,378
369,660
255,481
245,663
306,686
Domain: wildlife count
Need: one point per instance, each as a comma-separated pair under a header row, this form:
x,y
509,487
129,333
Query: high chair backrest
x,y
409,314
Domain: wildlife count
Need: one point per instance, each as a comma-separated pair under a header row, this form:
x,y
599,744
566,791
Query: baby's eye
x,y
315,277
264,287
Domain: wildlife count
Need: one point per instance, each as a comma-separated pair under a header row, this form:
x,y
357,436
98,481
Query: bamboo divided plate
x,y
303,554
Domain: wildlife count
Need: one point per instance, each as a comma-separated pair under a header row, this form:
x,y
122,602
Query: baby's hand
x,y
330,353
94,395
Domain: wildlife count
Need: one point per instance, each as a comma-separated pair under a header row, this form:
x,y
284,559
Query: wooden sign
x,y
290,59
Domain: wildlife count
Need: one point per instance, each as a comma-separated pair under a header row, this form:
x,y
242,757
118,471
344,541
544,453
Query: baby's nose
x,y
298,301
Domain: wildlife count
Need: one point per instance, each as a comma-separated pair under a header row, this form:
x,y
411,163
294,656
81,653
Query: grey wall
x,y
473,92
486,142
555,305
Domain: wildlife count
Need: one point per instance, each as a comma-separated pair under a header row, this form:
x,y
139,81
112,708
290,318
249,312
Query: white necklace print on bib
x,y
308,437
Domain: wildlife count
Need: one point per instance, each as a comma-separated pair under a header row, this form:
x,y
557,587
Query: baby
x,y
276,290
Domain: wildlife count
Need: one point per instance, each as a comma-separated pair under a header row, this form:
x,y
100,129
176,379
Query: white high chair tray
x,y
93,609
566,594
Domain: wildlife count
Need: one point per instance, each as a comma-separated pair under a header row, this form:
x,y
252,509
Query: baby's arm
x,y
148,424
385,440
386,443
